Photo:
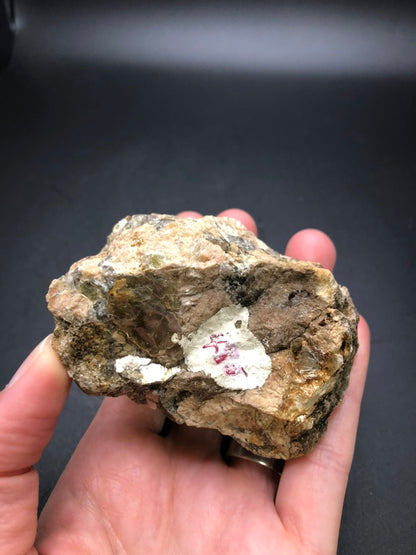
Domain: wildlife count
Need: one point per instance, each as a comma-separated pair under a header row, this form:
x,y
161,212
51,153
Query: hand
x,y
129,490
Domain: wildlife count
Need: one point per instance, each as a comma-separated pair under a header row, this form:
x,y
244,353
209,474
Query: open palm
x,y
129,489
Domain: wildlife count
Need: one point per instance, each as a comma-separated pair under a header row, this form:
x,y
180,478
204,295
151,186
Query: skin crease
x,y
129,490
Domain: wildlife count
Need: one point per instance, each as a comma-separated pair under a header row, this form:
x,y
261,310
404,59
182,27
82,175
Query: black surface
x,y
85,142
6,31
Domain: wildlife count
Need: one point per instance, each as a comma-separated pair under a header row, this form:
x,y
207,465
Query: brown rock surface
x,y
203,319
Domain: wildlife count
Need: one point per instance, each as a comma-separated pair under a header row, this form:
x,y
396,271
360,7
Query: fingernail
x,y
27,363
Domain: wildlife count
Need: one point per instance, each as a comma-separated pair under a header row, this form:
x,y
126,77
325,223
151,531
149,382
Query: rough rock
x,y
202,319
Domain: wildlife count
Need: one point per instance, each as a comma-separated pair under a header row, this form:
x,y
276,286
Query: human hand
x,y
127,489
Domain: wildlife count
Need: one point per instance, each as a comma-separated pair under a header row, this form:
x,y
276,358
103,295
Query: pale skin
x,y
129,490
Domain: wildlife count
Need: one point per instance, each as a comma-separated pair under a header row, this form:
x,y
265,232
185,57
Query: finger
x,y
242,216
312,245
312,488
29,408
189,214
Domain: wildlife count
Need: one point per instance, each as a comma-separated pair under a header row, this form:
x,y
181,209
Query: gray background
x,y
301,113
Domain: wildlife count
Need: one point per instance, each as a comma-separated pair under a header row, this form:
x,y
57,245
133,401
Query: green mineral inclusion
x,y
90,290
155,260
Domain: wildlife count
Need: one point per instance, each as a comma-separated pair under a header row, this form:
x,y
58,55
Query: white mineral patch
x,y
144,370
225,349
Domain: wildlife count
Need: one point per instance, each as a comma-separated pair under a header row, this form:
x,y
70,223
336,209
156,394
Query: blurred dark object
x,y
6,31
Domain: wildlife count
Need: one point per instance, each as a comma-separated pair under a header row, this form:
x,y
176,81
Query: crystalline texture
x,y
203,319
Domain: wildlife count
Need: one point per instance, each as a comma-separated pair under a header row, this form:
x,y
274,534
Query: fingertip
x,y
30,406
364,336
29,409
364,328
189,214
53,364
242,216
313,245
28,362
41,369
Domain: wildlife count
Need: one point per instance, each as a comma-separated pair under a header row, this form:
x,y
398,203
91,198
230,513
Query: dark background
x,y
301,113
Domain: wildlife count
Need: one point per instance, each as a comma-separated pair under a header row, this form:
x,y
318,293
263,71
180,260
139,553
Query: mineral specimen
x,y
202,319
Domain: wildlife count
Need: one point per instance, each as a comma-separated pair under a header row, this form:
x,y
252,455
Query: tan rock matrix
x,y
202,319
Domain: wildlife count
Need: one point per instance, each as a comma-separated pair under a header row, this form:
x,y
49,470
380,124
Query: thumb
x,y
29,408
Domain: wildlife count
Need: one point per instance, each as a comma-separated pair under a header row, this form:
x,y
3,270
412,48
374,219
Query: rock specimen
x,y
204,320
